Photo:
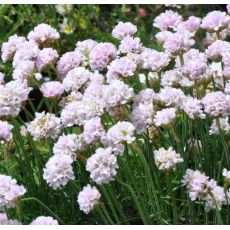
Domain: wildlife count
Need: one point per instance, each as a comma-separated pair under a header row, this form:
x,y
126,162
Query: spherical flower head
x,y
195,64
12,95
26,51
175,77
10,47
191,25
69,116
10,191
216,50
52,89
46,57
45,125
165,117
43,33
222,125
123,29
5,131
69,145
69,61
167,159
23,71
93,130
76,78
196,183
154,60
117,93
171,96
215,21
130,45
167,20
218,195
94,89
101,55
177,42
145,96
85,46
78,112
44,220
193,108
142,117
102,166
58,171
120,68
88,198
216,104
121,132
5,221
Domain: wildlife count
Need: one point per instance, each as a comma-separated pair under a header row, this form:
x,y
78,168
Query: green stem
x,y
43,205
169,184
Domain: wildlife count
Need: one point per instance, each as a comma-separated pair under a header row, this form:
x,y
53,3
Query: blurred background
x,y
79,22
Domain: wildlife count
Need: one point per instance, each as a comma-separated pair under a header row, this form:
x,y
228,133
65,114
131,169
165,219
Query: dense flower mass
x,y
45,125
201,187
102,166
88,198
10,191
44,220
5,221
167,159
12,96
58,171
115,129
5,131
69,145
123,29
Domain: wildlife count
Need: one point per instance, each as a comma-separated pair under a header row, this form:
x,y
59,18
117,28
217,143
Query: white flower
x,y
5,131
117,93
193,108
44,220
43,33
167,159
5,221
224,126
12,95
165,117
142,117
10,191
102,166
171,96
88,198
58,171
44,126
93,130
122,131
69,145
226,175
76,78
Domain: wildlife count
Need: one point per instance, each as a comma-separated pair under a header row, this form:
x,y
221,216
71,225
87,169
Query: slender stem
x,y
169,184
42,204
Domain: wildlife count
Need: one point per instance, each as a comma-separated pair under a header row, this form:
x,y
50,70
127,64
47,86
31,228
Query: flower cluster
x,y
10,191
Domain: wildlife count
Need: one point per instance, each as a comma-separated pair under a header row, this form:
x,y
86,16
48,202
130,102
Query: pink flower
x,y
123,29
52,89
167,20
101,55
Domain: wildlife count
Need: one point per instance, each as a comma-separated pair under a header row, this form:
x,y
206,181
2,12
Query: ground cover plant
x,y
113,130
